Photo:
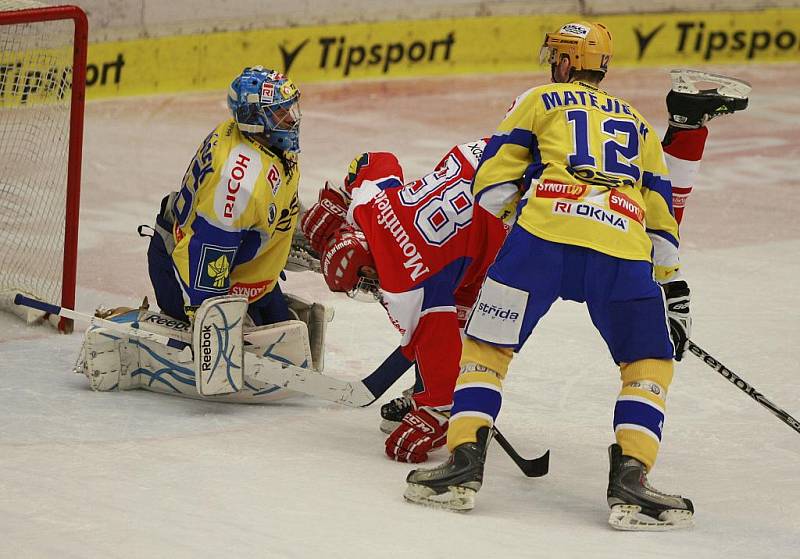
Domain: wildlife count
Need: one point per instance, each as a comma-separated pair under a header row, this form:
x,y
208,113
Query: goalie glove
x,y
680,319
422,430
301,256
323,218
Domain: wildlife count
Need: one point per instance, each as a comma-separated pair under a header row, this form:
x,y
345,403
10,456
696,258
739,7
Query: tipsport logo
x,y
338,53
29,79
696,37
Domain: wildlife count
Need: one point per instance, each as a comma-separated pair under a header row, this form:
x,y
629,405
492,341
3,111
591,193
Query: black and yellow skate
x,y
451,485
691,107
635,505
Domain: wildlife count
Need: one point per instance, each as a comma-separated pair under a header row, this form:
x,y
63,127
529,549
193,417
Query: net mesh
x,y
35,87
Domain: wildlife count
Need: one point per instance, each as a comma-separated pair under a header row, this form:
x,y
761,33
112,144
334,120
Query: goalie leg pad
x,y
218,346
114,360
100,359
282,342
316,316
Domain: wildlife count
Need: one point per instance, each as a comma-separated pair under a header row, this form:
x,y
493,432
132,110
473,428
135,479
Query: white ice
x,y
137,474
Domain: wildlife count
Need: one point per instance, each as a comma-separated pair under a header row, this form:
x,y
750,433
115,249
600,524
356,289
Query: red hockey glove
x,y
421,430
324,218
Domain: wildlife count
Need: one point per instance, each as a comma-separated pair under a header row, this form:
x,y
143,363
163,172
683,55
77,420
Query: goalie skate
x,y
635,504
691,107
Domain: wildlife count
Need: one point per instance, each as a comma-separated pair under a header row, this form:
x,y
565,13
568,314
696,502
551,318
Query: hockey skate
x,y
392,413
451,485
691,107
635,505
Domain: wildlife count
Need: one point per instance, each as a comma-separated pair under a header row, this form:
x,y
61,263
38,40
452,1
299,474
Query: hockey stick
x,y
186,349
394,366
535,467
348,393
286,375
742,384
356,394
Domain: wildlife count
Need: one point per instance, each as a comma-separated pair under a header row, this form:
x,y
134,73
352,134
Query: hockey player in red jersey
x,y
430,246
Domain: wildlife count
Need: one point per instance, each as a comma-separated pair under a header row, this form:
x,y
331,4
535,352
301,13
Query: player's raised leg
x,y
690,108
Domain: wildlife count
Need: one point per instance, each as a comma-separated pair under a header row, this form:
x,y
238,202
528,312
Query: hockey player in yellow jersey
x,y
228,230
583,176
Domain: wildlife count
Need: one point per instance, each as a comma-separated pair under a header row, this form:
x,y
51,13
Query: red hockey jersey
x,y
432,246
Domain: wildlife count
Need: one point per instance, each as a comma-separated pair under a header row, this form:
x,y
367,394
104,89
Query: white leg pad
x,y
113,360
101,361
218,346
316,316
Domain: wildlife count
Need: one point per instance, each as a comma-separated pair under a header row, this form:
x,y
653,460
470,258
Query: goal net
x,y
42,84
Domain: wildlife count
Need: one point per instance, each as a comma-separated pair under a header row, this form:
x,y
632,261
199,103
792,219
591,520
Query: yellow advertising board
x,y
427,48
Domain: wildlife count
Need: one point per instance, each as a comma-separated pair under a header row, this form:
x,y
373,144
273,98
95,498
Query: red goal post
x,y
42,95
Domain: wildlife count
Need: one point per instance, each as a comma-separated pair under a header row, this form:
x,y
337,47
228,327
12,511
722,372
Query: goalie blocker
x,y
114,359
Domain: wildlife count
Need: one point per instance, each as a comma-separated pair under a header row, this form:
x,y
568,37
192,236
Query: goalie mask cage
x,y
42,95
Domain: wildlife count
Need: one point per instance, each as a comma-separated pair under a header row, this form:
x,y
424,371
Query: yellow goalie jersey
x,y
591,172
235,215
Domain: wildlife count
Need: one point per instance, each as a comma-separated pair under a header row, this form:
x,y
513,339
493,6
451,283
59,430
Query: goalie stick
x,y
742,384
348,393
186,349
354,394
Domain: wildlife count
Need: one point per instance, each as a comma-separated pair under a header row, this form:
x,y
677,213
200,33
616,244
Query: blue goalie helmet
x,y
266,103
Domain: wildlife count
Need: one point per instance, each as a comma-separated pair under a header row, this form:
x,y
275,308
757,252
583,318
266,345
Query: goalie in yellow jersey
x,y
228,230
583,175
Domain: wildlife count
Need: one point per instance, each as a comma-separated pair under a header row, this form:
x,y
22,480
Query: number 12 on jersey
x,y
616,140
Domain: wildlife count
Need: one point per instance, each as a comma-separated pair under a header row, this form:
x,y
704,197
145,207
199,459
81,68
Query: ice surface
x,y
137,474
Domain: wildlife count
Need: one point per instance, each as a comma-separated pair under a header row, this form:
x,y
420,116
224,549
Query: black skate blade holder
x,y
685,81
534,467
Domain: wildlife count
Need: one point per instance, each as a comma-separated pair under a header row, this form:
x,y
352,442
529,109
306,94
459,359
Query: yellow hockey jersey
x,y
582,167
235,215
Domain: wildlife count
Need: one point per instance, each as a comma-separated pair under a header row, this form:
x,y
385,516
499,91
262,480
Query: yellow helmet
x,y
588,45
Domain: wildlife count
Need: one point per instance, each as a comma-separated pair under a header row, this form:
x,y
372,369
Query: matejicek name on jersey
x,y
388,219
611,105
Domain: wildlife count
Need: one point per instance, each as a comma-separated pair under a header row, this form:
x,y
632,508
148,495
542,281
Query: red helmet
x,y
373,166
344,260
